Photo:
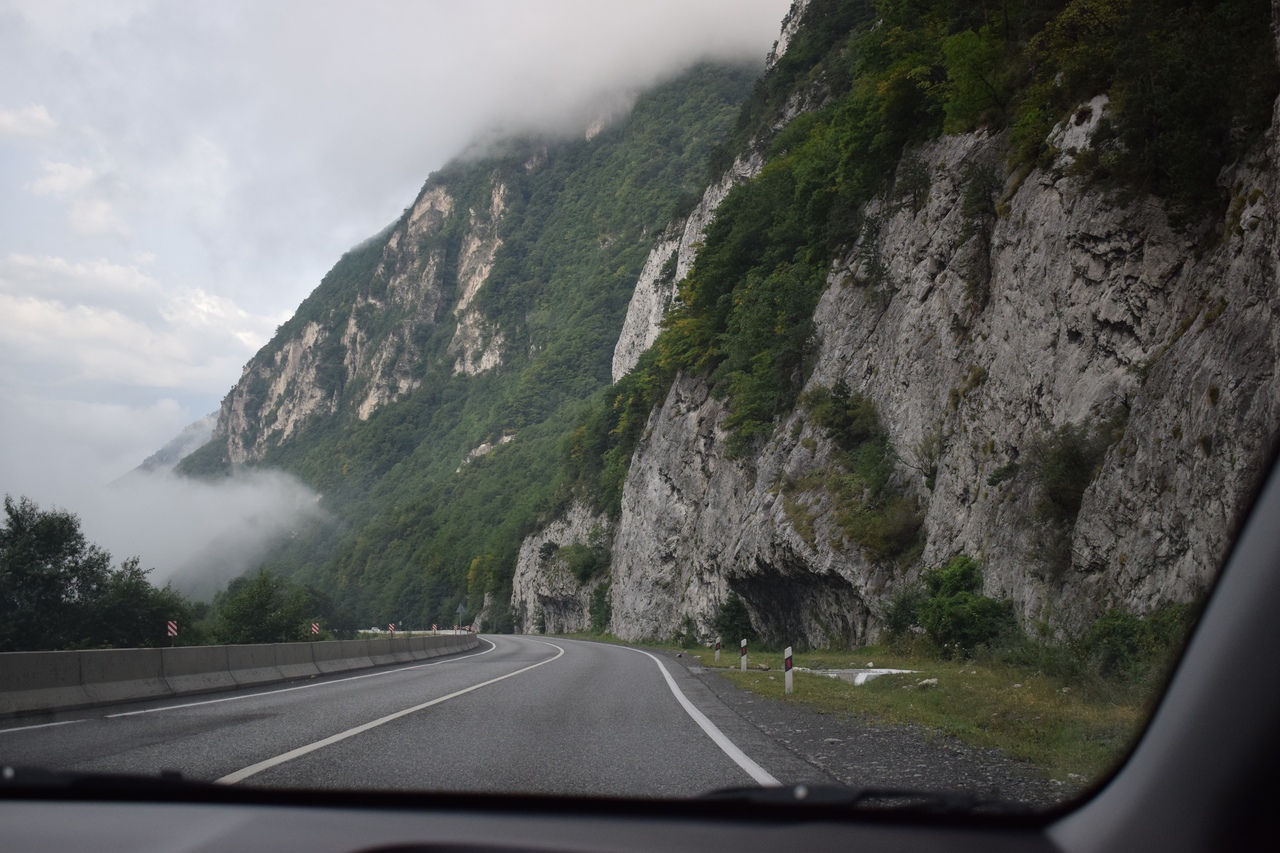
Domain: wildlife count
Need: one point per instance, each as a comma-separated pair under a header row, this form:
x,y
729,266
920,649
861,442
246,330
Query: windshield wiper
x,y
840,798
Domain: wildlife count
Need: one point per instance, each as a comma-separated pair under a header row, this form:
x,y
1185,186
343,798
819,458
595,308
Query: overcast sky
x,y
176,177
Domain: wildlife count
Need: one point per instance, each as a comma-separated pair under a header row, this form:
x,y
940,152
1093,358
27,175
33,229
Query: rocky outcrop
x,y
547,597
476,345
370,354
668,263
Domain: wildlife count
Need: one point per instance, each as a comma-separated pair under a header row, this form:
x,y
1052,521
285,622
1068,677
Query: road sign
x,y
434,628
315,627
173,628
391,626
786,666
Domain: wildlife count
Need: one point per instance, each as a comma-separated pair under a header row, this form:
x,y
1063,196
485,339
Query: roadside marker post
x,y
717,650
315,627
744,654
786,666
173,631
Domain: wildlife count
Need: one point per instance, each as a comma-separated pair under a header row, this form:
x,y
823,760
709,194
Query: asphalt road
x,y
518,714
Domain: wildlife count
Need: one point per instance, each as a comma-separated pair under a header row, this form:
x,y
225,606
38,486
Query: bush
x,y
733,621
903,612
956,617
600,608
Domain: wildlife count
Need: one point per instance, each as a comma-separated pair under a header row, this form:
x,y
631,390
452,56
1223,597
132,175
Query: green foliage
x,y
59,591
262,608
903,612
600,608
1067,460
1121,644
733,622
956,616
869,507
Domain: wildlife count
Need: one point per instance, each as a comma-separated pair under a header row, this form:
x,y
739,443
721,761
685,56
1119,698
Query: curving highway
x,y
519,713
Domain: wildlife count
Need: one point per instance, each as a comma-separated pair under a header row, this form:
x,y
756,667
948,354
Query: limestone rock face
x,y
983,339
370,354
547,597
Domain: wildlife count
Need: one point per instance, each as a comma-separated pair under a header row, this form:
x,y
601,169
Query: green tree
x,y
59,591
262,608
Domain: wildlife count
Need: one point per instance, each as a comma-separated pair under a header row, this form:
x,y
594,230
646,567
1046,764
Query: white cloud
x,y
96,217
61,179
99,321
32,120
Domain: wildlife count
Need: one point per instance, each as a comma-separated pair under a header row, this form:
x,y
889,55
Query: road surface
x,y
518,714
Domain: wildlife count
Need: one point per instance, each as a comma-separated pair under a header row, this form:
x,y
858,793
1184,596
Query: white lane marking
x,y
755,771
300,687
232,778
40,726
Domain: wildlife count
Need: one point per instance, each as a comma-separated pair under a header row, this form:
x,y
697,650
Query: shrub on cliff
x,y
956,616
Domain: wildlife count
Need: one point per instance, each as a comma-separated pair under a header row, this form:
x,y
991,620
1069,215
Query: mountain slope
x,y
424,387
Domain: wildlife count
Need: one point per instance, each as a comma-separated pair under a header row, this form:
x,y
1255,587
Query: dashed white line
x,y
755,771
300,687
253,769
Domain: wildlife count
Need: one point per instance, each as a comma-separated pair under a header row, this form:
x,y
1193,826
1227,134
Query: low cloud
x,y
32,120
199,534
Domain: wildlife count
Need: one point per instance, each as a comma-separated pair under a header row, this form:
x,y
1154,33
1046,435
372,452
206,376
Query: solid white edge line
x,y
39,726
253,769
755,771
492,646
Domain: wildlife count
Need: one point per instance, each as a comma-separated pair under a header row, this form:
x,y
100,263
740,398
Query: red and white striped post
x,y
786,667
434,629
391,626
744,654
717,650
315,627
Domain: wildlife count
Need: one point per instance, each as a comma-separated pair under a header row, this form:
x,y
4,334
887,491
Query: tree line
x,y
58,590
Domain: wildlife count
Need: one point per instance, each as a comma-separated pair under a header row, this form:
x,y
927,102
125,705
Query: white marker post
x,y
786,666
744,654
717,650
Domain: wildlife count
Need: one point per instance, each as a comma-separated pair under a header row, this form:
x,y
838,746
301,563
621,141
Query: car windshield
x,y
861,394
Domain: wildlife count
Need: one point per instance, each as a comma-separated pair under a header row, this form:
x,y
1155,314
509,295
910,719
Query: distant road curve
x,y
518,714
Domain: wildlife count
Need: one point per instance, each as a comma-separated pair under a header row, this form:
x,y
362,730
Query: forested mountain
x,y
970,302
426,386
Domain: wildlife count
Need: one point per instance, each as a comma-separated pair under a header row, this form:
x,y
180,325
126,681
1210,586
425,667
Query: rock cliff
x,y
1051,318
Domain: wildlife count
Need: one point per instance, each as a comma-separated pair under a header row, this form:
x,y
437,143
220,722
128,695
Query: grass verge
x,y
1064,730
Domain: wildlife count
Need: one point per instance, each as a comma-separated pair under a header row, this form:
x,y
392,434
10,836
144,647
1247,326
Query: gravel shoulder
x,y
857,752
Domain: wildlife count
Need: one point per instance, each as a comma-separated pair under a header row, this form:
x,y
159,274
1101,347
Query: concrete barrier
x,y
380,651
400,650
32,682
39,681
342,655
253,664
196,669
119,675
296,660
